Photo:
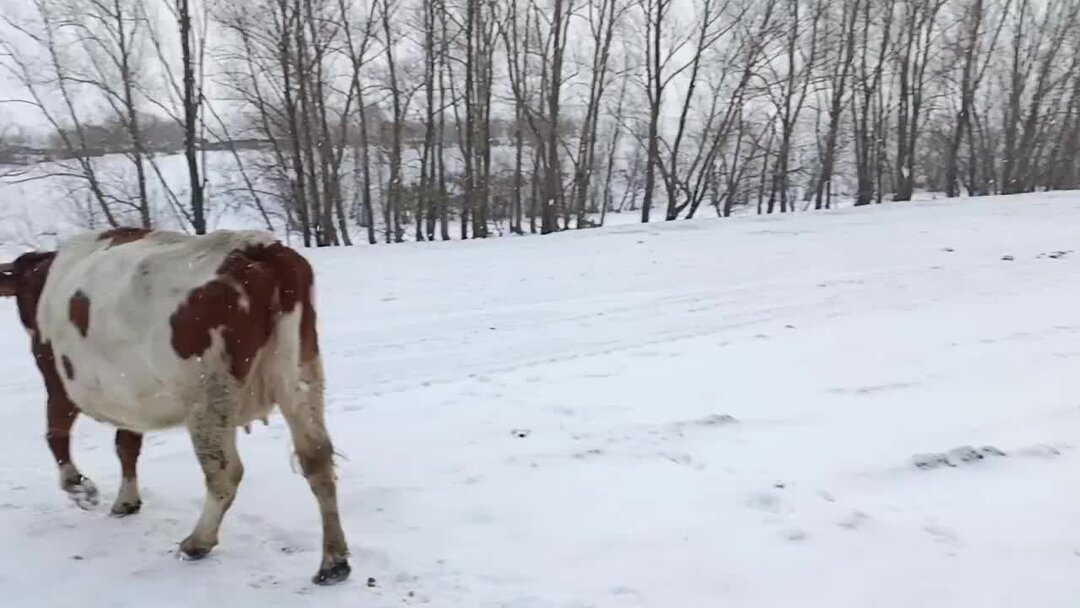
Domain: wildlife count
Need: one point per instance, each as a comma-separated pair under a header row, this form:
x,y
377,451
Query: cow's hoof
x,y
334,574
123,509
191,551
83,493
192,555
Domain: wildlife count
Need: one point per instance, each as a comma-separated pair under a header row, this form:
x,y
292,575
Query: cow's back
x,y
108,309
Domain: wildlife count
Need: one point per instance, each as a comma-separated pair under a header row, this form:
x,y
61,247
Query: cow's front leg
x,y
213,433
128,446
61,413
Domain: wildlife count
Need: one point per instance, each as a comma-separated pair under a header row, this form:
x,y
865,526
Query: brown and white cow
x,y
151,330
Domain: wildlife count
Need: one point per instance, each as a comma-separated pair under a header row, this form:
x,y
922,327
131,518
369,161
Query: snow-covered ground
x,y
694,414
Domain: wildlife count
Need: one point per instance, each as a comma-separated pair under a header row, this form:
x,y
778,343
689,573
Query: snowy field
x,y
696,414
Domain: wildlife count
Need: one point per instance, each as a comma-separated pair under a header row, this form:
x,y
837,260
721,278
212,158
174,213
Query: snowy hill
x,y
756,412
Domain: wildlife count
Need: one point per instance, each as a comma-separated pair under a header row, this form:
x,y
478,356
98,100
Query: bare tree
x,y
192,106
918,29
875,23
799,63
400,117
1036,73
47,37
839,74
975,52
602,17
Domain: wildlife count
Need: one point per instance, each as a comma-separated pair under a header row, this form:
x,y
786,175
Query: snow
x,y
688,414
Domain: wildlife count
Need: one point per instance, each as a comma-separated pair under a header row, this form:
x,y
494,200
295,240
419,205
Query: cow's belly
x,y
150,413
136,386
141,406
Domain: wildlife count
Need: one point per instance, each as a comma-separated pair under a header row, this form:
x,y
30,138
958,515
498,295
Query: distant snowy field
x,y
44,202
693,414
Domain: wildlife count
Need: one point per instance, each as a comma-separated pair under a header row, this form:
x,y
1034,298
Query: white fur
x,y
126,371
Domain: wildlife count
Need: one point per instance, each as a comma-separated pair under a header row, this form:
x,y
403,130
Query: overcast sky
x,y
28,119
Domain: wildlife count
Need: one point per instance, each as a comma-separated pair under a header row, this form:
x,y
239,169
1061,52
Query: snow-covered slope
x,y
696,414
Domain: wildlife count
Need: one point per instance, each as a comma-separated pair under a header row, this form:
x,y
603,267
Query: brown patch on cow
x,y
297,286
60,414
216,306
123,235
29,274
60,410
69,369
274,279
79,312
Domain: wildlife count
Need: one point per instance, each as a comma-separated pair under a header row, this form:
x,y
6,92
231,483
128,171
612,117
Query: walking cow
x,y
150,330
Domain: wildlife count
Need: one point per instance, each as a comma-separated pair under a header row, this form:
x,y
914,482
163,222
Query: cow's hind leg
x,y
313,447
128,446
213,432
61,415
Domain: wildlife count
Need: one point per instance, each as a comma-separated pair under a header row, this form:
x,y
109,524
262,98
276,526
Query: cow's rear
x,y
271,345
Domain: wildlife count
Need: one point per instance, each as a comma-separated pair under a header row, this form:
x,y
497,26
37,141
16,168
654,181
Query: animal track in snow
x,y
967,455
954,457
854,520
682,426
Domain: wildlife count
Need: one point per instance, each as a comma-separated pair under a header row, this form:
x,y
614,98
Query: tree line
x,y
392,120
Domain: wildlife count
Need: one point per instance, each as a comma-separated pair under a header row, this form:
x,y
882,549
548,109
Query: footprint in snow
x,y
678,458
268,580
795,535
954,457
710,421
942,535
872,389
854,520
590,453
764,501
1039,451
